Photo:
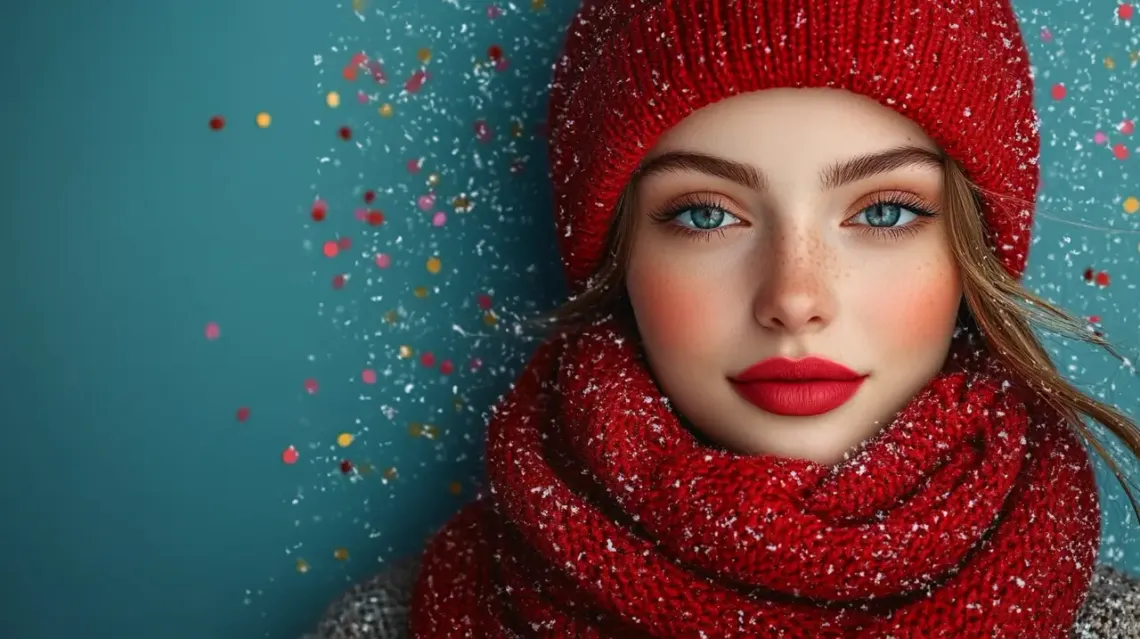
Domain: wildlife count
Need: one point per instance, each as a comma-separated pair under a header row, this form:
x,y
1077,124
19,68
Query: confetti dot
x,y
482,131
390,473
383,260
1094,319
331,249
424,55
1109,63
242,414
439,219
1131,205
302,566
346,467
415,430
217,123
414,165
494,52
428,360
1127,127
340,554
406,352
426,202
455,488
311,386
375,218
361,215
1088,274
537,5
1100,138
213,331
391,317
1058,92
1046,34
338,281
1102,279
349,73
420,292
320,209
475,364
447,367
1120,151
344,133
386,110
263,120
369,196
290,455
433,180
416,82
332,99
494,11
1124,11
344,243
434,265
368,376
484,301
359,5
344,440
489,319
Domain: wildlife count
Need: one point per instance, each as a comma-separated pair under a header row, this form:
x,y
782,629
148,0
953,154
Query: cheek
x,y
921,308
677,309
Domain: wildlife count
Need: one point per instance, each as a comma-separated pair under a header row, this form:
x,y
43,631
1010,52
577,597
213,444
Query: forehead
x,y
792,126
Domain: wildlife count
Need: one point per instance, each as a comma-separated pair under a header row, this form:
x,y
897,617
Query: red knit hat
x,y
631,69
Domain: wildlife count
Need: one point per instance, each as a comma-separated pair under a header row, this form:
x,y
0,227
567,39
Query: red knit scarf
x,y
971,515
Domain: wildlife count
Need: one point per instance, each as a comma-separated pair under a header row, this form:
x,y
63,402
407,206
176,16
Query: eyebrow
x,y
832,177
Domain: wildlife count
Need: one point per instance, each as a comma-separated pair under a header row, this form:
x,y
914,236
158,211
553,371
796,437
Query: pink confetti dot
x,y
338,281
1124,11
344,243
415,165
475,364
368,376
484,301
494,11
1046,34
362,97
383,260
213,331
426,202
1127,127
501,65
360,214
1095,319
331,249
447,367
439,218
427,359
311,386
1120,151
482,131
242,414
1100,138
290,456
1058,91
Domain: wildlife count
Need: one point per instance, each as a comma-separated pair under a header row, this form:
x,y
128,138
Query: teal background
x,y
132,502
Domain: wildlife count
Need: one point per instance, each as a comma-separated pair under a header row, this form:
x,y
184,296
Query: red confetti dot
x,y
217,123
290,455
346,467
242,414
1102,279
331,249
416,82
350,73
447,367
311,386
1120,151
1059,91
338,281
1094,319
482,130
1124,11
427,359
415,165
368,376
369,196
1127,127
1088,275
344,243
375,218
484,301
213,331
345,133
475,364
494,52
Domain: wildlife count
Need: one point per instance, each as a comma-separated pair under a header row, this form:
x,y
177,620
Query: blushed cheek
x,y
918,310
676,312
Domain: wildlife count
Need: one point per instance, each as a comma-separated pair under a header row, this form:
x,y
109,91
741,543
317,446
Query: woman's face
x,y
783,225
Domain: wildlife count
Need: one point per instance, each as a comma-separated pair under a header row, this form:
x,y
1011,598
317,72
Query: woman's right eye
x,y
705,218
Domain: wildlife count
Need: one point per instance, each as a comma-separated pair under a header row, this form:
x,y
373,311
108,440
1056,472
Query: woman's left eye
x,y
888,215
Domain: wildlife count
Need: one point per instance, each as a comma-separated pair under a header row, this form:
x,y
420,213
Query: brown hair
x,y
997,307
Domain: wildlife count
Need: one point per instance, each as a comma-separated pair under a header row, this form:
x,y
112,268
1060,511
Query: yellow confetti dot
x,y
391,317
302,566
538,5
433,179
433,265
333,99
390,473
420,291
344,440
341,554
1109,63
415,429
424,55
455,488
431,432
1134,56
406,352
358,5
461,202
263,119
385,110
1131,205
489,319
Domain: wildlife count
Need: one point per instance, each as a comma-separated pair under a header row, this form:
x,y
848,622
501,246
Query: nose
x,y
795,292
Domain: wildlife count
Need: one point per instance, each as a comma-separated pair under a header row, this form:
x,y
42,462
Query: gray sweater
x,y
378,608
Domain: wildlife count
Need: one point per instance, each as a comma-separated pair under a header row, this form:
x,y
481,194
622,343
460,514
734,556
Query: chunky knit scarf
x,y
973,514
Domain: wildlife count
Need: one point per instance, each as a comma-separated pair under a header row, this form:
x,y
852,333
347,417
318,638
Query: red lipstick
x,y
799,388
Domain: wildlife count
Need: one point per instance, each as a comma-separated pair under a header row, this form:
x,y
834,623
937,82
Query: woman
x,y
797,393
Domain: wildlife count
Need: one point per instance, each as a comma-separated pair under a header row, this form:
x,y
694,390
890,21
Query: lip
x,y
798,388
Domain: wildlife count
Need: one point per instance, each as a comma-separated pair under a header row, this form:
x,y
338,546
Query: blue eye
x,y
705,218
887,215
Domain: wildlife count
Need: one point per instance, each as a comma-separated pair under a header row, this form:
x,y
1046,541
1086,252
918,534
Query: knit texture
x,y
971,515
631,69
378,607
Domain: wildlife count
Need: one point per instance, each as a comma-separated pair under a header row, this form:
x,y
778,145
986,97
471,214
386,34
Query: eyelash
x,y
909,201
